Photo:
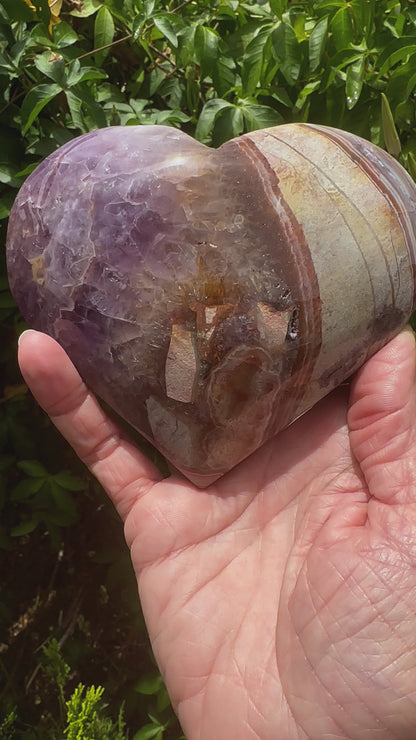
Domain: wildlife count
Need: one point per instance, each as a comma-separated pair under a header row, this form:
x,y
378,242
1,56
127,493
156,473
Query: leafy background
x,y
75,660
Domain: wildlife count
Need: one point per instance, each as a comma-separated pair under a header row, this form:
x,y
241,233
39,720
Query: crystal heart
x,y
213,296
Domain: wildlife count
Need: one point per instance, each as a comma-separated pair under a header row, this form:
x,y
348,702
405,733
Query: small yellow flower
x,y
55,7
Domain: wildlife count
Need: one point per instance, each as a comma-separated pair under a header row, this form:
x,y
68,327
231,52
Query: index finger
x,y
121,468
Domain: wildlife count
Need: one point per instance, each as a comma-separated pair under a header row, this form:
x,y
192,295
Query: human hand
x,y
281,601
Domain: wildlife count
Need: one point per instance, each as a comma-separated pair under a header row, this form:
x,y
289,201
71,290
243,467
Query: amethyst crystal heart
x,y
211,297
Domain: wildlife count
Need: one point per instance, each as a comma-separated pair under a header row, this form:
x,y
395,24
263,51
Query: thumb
x,y
382,420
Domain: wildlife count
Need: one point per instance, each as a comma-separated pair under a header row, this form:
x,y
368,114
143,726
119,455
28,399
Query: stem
x,y
182,5
13,100
106,46
162,54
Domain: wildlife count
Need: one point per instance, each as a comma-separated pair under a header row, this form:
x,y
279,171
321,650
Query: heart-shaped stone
x,y
213,296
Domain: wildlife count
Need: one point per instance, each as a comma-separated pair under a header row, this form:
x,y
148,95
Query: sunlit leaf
x,y
138,25
254,58
306,91
288,51
354,82
149,732
297,22
164,25
398,51
148,7
317,41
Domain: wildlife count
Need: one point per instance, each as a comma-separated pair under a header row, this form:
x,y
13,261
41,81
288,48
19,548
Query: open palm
x,y
281,601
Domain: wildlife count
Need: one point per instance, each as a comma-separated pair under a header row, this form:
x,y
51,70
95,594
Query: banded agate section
x,y
211,297
357,210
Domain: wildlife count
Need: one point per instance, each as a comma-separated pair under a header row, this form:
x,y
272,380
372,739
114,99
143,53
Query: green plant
x,y
7,725
55,669
215,69
82,715
84,720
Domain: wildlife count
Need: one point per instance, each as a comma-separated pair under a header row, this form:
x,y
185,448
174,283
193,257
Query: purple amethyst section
x,y
160,267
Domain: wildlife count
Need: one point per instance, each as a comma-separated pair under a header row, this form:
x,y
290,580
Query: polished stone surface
x,y
211,297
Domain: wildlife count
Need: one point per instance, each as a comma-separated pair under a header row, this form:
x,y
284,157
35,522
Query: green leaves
x,y
256,57
48,498
288,52
163,24
397,51
391,137
63,35
317,41
103,33
221,120
35,101
264,64
153,731
207,119
33,468
67,80
52,66
354,81
86,717
260,116
206,44
278,7
342,28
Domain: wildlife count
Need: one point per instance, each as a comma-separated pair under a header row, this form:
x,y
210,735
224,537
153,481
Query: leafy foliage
x,y
83,717
215,69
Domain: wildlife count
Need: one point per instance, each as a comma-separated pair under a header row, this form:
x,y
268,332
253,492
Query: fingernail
x,y
26,331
